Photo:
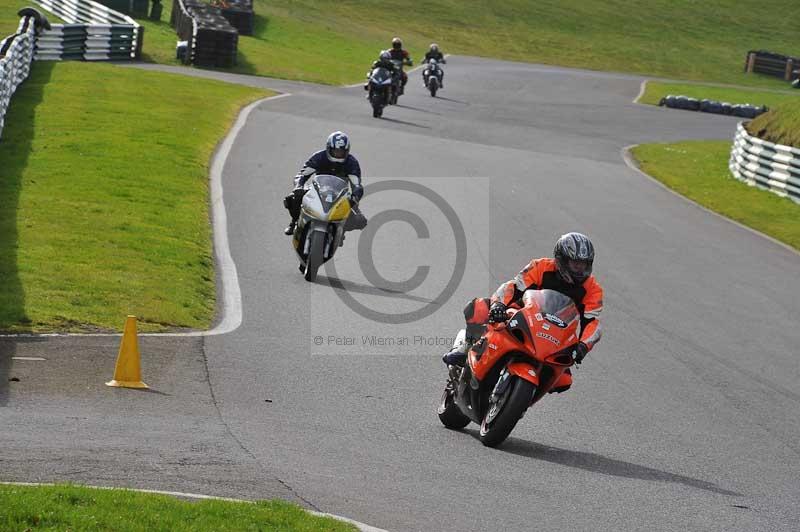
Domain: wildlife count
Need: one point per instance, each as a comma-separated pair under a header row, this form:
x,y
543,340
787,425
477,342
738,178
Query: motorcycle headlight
x,y
341,210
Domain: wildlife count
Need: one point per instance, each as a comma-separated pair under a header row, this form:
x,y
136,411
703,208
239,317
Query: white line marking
x,y
628,158
34,359
231,308
361,526
642,88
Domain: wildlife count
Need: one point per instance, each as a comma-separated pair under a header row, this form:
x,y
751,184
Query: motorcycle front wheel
x,y
314,256
502,415
433,88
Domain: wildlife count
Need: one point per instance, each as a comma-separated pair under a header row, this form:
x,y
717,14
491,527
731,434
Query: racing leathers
x,y
380,63
541,274
319,163
438,55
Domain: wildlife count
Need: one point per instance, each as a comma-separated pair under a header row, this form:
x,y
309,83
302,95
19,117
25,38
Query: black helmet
x,y
337,147
574,254
397,44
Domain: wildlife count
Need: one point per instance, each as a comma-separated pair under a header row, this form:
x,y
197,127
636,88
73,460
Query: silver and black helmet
x,y
337,147
574,254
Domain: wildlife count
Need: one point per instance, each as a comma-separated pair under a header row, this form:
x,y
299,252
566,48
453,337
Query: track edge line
x,y
361,526
627,157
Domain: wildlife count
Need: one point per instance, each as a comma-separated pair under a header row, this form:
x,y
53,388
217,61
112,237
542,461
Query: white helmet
x,y
337,147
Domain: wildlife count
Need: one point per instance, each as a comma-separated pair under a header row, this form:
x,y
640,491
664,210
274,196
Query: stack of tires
x,y
212,41
712,106
240,14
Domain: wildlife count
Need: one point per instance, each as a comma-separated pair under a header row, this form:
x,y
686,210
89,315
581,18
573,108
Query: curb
x,y
627,157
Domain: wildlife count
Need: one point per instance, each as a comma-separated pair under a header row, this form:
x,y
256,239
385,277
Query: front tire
x,y
314,256
434,87
502,417
449,414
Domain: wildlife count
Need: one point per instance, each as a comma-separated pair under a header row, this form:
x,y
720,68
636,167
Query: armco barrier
x,y
772,64
16,54
186,28
93,33
766,165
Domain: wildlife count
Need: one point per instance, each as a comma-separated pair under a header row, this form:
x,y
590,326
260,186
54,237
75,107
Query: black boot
x,y
290,228
455,358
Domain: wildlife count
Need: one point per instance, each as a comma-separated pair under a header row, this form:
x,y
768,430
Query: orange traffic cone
x,y
128,372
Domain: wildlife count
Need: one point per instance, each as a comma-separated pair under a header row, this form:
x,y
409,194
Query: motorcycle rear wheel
x,y
498,424
449,414
314,256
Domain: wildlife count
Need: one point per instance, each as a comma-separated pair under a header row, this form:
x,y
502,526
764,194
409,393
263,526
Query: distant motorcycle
x,y
432,75
320,229
380,90
512,366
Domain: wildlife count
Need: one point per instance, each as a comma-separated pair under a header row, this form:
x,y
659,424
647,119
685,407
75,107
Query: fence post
x,y
751,61
139,30
788,72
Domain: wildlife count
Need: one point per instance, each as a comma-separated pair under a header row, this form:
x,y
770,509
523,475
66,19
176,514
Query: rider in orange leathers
x,y
569,272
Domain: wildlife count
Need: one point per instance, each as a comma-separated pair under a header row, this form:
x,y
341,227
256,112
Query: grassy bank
x,y
77,508
335,41
780,125
104,200
655,90
699,171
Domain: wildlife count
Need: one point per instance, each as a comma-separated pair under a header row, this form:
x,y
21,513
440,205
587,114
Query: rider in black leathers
x,y
336,160
384,61
434,53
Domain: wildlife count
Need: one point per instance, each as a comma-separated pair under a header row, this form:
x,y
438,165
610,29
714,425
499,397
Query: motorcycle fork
x,y
467,393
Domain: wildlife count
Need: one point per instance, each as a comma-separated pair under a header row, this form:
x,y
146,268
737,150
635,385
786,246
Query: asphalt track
x,y
683,418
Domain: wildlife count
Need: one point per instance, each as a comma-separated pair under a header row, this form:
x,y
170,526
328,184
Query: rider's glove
x,y
358,192
497,312
580,352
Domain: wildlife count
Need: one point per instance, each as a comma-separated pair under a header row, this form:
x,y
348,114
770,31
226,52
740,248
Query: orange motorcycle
x,y
512,366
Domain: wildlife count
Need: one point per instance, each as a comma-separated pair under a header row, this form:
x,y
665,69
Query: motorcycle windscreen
x,y
554,307
380,76
330,189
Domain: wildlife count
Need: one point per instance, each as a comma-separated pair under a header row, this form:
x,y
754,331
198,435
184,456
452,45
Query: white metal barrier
x,y
16,54
93,32
770,166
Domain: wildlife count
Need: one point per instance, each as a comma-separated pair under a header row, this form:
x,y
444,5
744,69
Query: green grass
x,y
699,171
780,125
283,46
66,507
654,91
9,20
334,42
104,198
